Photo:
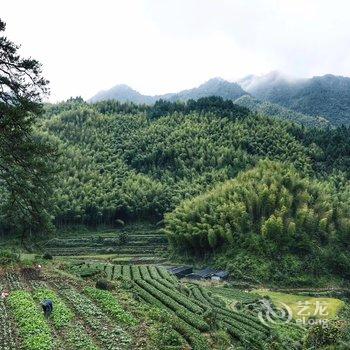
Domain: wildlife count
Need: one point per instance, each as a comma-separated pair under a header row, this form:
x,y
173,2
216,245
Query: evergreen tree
x,y
24,155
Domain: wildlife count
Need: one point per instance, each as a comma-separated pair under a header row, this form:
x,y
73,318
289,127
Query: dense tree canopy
x,y
118,162
228,181
124,161
269,211
327,96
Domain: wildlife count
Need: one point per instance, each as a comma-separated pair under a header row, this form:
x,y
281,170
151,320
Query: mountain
x,y
274,110
327,96
122,93
213,87
317,100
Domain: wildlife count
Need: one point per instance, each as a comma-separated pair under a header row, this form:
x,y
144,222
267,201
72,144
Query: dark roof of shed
x,y
221,274
205,273
177,269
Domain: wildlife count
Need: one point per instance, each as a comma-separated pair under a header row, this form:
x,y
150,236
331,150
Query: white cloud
x,y
159,46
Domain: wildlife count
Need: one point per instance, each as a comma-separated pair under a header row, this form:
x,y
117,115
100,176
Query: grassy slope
x,y
334,306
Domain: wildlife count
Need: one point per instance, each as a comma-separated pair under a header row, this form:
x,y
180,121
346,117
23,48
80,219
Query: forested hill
x,y
213,87
280,112
198,164
327,96
124,161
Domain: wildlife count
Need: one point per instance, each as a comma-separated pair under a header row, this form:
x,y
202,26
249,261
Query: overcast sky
x,y
159,46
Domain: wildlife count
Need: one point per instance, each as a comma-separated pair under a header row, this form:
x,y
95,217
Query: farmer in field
x,y
47,307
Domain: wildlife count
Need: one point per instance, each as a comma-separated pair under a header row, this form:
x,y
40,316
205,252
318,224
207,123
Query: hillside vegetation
x,y
122,165
126,162
280,112
269,211
200,162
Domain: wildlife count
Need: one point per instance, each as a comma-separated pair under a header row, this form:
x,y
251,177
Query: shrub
x,y
164,336
47,256
8,257
222,339
122,238
104,284
322,335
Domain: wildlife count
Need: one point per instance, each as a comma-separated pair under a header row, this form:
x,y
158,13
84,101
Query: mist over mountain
x,y
318,100
327,96
213,87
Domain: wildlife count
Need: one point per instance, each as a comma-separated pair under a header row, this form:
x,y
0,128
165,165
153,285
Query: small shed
x,y
202,274
181,271
220,275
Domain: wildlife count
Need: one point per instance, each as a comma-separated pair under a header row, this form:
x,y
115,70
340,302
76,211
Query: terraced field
x,y
88,318
130,241
196,310
85,317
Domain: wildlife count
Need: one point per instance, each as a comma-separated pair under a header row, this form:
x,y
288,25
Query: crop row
x,y
212,301
246,319
192,335
163,273
248,340
62,315
110,336
149,240
107,301
236,294
249,322
166,283
7,338
117,271
189,317
237,324
135,271
153,272
144,272
196,297
177,296
63,320
132,272
144,250
33,329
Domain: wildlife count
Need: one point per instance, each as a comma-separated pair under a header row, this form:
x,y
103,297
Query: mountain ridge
x,y
326,97
215,86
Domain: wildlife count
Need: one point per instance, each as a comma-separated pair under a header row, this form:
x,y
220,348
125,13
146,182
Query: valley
x,y
211,218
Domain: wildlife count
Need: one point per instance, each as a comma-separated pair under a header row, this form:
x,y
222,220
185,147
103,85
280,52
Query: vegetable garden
x,y
79,320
